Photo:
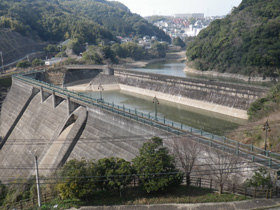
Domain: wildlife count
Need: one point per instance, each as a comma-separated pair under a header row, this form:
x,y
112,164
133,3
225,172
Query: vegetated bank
x,y
262,110
245,42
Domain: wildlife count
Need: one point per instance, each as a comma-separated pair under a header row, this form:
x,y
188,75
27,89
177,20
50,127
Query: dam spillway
x,y
57,125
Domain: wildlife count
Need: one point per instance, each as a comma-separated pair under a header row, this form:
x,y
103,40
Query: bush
x,y
23,64
37,62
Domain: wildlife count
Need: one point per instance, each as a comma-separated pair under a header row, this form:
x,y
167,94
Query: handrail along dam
x,y
56,124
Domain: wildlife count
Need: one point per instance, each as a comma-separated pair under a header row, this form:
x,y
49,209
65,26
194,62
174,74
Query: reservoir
x,y
208,121
177,69
200,119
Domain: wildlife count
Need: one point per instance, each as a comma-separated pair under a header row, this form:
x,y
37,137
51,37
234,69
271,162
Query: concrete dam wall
x,y
56,125
36,122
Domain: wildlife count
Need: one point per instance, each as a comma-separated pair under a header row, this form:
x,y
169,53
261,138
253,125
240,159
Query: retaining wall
x,y
224,98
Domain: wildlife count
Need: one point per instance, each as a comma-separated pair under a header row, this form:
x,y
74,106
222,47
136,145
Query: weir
x,y
58,125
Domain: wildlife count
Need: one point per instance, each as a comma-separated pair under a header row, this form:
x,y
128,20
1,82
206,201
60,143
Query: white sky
x,y
171,7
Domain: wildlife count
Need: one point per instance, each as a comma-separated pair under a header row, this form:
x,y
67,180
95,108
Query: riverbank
x,y
174,56
214,74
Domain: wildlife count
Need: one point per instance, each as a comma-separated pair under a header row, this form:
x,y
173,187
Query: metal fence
x,y
200,182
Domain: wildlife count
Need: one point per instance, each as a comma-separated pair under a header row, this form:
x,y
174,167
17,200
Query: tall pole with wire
x,y
266,128
38,182
1,53
156,102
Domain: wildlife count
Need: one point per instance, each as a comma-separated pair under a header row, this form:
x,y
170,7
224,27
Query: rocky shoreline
x,y
213,74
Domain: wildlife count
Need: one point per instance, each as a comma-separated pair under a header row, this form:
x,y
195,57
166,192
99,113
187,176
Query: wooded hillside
x,y
245,42
86,20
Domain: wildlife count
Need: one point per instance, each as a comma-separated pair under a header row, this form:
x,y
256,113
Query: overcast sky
x,y
171,7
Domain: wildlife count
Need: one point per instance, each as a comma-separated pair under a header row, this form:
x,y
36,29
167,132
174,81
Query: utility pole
x,y
37,182
101,89
156,102
266,128
1,53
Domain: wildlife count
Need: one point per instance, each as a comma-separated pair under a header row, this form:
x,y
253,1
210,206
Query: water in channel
x,y
196,118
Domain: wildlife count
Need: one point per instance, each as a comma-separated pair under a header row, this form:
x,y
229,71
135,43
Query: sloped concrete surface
x,y
13,104
110,135
55,136
32,135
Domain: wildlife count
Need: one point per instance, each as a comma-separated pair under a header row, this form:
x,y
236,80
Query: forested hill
x,y
87,20
247,41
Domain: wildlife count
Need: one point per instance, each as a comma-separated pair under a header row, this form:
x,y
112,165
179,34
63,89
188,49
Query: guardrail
x,y
267,158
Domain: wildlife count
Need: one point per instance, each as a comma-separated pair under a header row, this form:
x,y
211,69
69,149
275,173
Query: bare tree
x,y
221,166
186,152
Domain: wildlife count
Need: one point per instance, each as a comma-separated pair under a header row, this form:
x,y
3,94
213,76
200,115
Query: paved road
x,y
14,62
254,204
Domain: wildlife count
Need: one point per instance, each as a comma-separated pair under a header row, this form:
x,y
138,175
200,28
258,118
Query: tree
x,y
261,178
23,64
179,42
134,51
158,50
221,165
155,167
76,179
186,153
51,48
37,62
3,192
113,173
119,51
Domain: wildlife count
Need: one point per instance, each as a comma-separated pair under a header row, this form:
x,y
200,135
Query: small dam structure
x,y
56,124
215,96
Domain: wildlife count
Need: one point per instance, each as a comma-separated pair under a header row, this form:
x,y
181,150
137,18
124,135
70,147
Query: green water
x,y
196,118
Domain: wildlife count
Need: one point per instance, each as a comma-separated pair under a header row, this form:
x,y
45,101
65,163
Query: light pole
x,y
266,128
37,182
156,102
2,62
101,89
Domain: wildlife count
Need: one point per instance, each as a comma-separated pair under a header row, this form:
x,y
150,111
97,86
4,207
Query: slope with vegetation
x,y
262,110
86,20
245,42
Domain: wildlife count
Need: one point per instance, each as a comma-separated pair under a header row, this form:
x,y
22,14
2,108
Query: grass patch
x,y
135,196
5,81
